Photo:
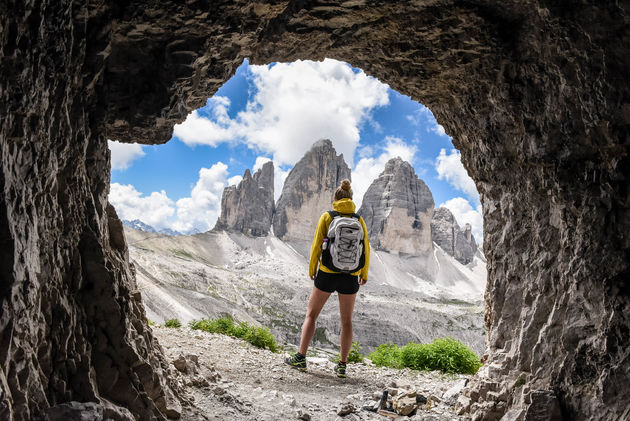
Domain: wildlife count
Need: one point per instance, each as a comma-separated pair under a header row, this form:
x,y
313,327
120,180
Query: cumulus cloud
x,y
465,214
234,180
201,130
123,154
130,204
294,105
369,168
449,167
199,212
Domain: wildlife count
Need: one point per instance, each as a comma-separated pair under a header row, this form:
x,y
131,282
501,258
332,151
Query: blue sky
x,y
276,112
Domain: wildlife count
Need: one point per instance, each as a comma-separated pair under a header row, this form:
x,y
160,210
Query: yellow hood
x,y
344,206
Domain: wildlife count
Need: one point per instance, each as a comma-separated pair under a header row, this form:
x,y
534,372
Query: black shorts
x,y
343,283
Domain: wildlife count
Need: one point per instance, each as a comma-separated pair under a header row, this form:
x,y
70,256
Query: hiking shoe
x,y
340,370
297,360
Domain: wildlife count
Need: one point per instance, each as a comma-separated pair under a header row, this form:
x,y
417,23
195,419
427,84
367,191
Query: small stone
x,y
371,406
405,403
346,409
421,399
304,416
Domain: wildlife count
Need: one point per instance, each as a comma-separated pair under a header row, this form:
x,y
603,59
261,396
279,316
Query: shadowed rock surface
x,y
456,241
249,207
534,93
397,209
308,191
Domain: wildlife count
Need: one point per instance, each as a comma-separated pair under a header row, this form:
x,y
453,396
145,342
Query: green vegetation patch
x,y
172,323
354,356
445,354
260,337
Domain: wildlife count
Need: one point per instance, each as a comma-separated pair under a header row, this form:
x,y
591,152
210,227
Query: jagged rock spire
x,y
249,206
308,191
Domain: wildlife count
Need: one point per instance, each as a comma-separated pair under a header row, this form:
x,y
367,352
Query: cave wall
x,y
534,94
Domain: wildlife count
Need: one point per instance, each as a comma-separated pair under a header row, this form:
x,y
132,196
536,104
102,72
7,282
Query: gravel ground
x,y
224,378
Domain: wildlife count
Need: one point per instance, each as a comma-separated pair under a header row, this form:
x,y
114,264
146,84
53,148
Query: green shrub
x,y
444,354
260,337
172,323
150,322
355,356
386,355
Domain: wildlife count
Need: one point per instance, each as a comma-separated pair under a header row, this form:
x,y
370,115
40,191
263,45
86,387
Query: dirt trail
x,y
236,381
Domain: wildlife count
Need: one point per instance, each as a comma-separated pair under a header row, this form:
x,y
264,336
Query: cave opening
x,y
429,244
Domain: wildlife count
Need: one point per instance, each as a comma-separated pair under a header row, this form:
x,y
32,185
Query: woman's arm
x,y
316,246
366,246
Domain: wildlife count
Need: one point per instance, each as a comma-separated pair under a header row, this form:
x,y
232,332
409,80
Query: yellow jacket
x,y
344,207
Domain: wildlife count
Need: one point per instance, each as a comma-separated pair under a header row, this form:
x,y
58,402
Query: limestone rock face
x,y
534,93
249,207
308,192
456,241
397,209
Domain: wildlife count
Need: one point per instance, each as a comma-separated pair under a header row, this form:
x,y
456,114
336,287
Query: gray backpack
x,y
344,251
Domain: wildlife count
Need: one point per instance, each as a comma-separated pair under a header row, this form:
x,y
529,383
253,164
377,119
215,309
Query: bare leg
x,y
346,308
315,305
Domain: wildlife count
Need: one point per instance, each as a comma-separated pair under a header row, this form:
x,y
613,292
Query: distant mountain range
x,y
139,225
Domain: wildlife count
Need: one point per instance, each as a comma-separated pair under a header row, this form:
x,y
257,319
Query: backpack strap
x,y
334,214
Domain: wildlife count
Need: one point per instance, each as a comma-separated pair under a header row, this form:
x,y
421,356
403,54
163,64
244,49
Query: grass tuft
x,y
260,337
172,323
445,354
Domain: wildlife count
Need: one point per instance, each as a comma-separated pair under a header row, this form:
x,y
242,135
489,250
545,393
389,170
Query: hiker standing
x,y
341,241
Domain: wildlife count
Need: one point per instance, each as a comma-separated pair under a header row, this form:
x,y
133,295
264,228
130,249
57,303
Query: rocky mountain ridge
x,y
398,207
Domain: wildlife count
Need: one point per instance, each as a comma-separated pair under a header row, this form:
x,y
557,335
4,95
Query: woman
x,y
328,281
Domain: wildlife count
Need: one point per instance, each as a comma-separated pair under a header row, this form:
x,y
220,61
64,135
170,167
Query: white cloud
x,y
197,129
438,129
465,214
295,104
154,209
234,180
260,161
201,210
279,176
123,154
369,168
197,212
449,167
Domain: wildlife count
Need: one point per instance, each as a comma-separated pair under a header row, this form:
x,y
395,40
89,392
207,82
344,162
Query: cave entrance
x,y
422,209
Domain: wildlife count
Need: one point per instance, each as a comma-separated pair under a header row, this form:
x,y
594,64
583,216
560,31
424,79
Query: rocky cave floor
x,y
219,377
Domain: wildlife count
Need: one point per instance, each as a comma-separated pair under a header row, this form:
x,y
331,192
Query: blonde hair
x,y
344,191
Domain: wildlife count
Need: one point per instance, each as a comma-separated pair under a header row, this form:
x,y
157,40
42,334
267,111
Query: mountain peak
x,y
308,191
248,207
397,209
456,241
